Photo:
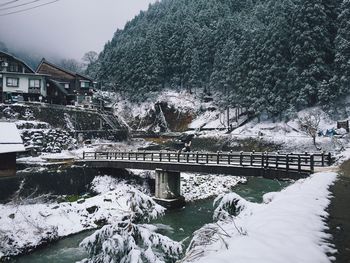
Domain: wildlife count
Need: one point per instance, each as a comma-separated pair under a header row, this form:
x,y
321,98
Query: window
x,y
12,82
65,85
13,67
34,83
85,84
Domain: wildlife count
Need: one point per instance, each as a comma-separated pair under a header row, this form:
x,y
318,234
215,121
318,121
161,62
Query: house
x,y
64,86
10,144
18,81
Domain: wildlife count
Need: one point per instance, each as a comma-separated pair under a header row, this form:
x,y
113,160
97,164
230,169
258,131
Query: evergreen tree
x,y
342,45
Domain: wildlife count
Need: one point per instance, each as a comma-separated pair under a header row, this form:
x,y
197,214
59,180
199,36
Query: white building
x,y
17,79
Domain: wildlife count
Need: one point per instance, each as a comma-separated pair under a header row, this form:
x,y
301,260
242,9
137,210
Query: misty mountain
x,y
270,56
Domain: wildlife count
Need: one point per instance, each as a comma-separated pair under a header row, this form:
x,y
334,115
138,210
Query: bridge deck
x,y
239,163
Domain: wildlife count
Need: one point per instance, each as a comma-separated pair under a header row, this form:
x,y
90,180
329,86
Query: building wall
x,y
7,164
23,85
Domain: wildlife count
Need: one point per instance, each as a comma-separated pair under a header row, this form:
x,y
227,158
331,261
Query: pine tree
x,y
342,44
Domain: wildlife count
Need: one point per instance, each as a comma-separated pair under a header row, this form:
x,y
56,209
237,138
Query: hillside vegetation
x,y
271,56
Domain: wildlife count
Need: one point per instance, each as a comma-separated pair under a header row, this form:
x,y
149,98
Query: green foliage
x,y
265,55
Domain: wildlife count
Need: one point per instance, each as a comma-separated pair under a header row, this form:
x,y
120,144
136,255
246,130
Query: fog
x,y
66,28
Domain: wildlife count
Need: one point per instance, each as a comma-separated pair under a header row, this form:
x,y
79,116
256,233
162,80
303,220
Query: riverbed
x,y
181,223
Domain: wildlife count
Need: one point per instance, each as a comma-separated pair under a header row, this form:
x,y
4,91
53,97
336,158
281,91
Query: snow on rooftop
x,y
10,138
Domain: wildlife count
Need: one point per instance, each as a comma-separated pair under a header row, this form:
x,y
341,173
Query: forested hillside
x,y
268,55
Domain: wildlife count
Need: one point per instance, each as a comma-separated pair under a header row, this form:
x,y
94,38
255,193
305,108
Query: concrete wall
x,y
167,184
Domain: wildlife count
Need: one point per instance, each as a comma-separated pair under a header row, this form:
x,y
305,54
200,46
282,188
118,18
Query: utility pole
x,y
228,117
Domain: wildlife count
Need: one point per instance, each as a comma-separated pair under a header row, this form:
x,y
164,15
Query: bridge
x,y
169,164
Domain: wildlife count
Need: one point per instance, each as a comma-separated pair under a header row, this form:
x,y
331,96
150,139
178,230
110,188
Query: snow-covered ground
x,y
196,186
288,227
288,135
24,226
204,114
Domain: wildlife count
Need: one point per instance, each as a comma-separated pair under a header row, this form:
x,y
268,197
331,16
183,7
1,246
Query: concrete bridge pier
x,y
167,190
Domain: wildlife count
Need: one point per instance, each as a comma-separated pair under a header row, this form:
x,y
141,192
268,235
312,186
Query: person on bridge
x,y
187,147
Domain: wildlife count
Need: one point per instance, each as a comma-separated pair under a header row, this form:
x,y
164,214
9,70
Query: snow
x,y
198,186
288,227
10,139
287,135
29,225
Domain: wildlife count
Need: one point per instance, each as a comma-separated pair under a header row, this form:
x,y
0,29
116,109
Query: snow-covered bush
x,y
128,241
230,205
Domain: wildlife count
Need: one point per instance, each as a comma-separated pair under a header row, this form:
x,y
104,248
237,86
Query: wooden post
x,y
95,155
251,159
152,157
207,158
287,162
197,157
169,157
277,160
299,163
312,163
136,155
122,156
83,154
329,159
128,155
241,158
262,160
160,156
322,158
144,155
229,158
218,157
178,157
267,159
306,154
187,157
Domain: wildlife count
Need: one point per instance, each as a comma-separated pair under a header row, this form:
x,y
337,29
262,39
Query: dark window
x,y
13,67
12,82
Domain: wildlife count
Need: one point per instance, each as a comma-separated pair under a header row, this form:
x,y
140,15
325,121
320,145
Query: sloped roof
x,y
10,139
62,69
20,60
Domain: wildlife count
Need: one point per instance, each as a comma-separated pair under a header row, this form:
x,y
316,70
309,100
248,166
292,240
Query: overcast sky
x,y
67,28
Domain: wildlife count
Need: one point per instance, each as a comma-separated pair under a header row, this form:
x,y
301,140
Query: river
x,y
183,223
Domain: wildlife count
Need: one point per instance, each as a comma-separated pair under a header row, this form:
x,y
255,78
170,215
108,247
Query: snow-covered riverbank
x,y
288,227
24,226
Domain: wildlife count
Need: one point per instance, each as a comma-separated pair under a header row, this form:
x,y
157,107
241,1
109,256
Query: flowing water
x,y
66,250
182,221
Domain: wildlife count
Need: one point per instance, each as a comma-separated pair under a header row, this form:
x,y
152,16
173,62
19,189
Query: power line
x,y
9,2
15,6
26,9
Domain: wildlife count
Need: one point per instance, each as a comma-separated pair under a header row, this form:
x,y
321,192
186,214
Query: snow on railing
x,y
284,161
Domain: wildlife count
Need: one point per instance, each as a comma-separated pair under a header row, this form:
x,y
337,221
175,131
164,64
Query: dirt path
x,y
339,220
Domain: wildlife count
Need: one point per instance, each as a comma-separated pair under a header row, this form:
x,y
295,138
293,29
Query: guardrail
x,y
301,162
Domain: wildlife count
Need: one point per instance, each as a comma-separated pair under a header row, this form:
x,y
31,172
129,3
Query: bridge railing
x,y
302,162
